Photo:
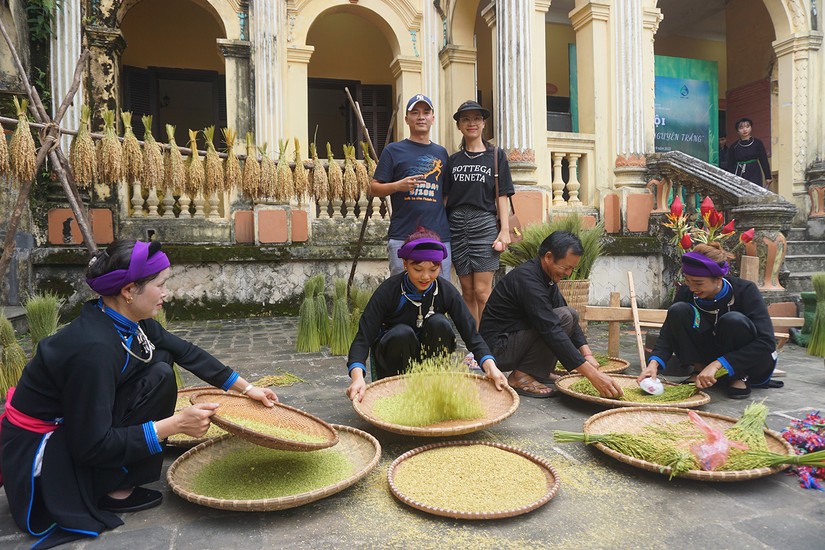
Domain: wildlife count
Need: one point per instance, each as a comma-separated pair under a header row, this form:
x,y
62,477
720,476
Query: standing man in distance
x,y
411,172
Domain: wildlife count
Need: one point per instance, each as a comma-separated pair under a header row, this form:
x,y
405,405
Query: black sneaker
x,y
140,499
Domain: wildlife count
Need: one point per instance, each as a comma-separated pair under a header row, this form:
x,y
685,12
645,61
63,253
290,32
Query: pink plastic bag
x,y
714,450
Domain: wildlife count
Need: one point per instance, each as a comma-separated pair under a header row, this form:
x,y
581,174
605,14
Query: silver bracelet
x,y
246,389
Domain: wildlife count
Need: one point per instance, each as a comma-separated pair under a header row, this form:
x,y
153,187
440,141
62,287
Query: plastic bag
x,y
714,450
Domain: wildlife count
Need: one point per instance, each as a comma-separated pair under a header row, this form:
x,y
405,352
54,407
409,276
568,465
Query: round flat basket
x,y
614,365
359,448
278,427
182,440
627,382
634,419
498,406
461,472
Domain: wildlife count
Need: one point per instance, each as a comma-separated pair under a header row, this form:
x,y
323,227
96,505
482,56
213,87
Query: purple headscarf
x,y
697,264
140,266
423,250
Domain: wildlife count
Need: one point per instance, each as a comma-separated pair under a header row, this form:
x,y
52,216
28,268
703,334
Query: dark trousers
x,y
525,350
400,345
705,344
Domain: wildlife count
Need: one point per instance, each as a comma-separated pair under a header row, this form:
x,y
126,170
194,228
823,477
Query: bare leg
x,y
468,293
483,283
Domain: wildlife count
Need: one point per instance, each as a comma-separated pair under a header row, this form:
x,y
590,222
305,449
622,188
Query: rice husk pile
x,y
285,187
435,390
301,177
335,177
22,154
213,167
251,179
109,151
269,177
471,478
320,182
232,167
174,170
152,156
132,155
82,158
255,472
194,167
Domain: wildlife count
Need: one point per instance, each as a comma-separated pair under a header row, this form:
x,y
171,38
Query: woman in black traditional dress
x,y
83,429
747,157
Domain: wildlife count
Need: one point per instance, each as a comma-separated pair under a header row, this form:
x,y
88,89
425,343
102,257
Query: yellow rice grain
x,y
152,156
132,155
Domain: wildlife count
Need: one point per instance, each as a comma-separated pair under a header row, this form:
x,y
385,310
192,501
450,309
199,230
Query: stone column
x,y
236,55
106,46
298,113
539,72
407,74
265,17
66,49
459,64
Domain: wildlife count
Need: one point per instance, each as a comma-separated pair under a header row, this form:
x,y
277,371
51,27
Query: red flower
x,y
686,243
728,229
716,218
706,206
747,236
676,207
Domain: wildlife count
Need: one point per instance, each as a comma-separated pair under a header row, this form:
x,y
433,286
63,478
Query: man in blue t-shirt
x,y
411,172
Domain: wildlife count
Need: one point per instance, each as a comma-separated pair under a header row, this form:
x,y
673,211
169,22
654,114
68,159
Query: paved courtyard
x,y
601,503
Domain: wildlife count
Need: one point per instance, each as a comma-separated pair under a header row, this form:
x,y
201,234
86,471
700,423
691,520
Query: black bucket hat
x,y
471,106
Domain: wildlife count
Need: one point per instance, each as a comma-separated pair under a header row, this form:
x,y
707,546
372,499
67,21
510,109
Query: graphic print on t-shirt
x,y
427,166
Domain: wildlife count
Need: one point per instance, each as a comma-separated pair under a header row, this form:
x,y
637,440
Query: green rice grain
x,y
274,431
672,394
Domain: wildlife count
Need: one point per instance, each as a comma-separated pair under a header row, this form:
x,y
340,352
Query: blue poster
x,y
682,117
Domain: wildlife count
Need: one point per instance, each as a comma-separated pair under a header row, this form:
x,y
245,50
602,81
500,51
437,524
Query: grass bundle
x,y
194,167
362,175
284,187
750,428
251,178
360,297
321,311
43,316
4,386
232,167
436,389
335,177
22,153
320,182
164,322
213,167
309,339
132,155
350,180
109,151
82,158
13,357
301,177
672,394
174,169
4,154
269,177
368,161
816,346
339,333
152,156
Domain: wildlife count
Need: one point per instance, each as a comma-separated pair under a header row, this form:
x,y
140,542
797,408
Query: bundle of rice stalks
x,y
339,333
152,156
194,167
269,177
749,429
368,160
251,184
320,182
232,168
4,154
309,339
321,310
816,346
672,394
4,386
301,178
213,172
132,155
362,175
350,179
163,320
750,460
360,297
43,315
285,187
109,151
13,356
82,158
22,154
436,389
175,171
336,177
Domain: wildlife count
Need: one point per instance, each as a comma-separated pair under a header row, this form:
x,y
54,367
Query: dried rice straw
x,y
152,156
308,339
368,161
175,171
251,184
320,182
232,168
339,334
362,175
321,311
285,188
350,179
132,155
82,157
336,177
213,166
109,151
194,167
269,178
301,178
4,153
22,153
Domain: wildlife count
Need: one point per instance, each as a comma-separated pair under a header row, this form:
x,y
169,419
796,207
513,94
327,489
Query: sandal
x,y
524,384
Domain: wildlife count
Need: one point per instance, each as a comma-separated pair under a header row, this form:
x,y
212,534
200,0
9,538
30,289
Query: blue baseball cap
x,y
417,98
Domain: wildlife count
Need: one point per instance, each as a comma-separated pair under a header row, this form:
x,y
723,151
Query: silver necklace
x,y
748,145
471,157
145,344
419,322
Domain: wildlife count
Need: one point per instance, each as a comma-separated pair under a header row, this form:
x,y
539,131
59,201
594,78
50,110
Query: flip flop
x,y
526,385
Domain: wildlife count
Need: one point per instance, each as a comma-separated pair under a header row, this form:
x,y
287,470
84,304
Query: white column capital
x,y
299,54
594,11
489,14
404,64
794,43
543,6
457,54
651,17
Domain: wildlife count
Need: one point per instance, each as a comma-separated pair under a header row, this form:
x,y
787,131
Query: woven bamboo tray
x,y
183,440
283,416
614,365
362,449
498,406
563,385
632,420
550,474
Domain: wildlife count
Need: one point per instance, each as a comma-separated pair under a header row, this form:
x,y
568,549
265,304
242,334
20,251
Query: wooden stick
x,y
613,328
636,326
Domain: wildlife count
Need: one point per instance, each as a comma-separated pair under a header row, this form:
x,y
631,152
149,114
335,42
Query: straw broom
x,y
232,168
309,339
152,156
109,151
350,179
285,187
132,155
43,315
339,334
301,178
336,177
213,168
194,167
21,149
82,158
816,346
175,171
269,178
251,184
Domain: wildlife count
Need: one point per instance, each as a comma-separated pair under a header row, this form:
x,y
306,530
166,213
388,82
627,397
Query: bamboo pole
x,y
636,326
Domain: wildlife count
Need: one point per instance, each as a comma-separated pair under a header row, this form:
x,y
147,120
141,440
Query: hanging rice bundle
x,y
22,154
308,340
360,297
213,167
301,178
362,175
320,182
251,184
175,171
816,346
4,153
368,160
269,179
162,319
339,333
285,187
152,156
321,310
43,315
336,177
132,155
82,158
194,167
232,168
109,151
13,357
350,179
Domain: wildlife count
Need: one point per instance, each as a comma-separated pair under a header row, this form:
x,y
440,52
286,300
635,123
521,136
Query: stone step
x,y
17,316
800,281
797,234
799,248
802,264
